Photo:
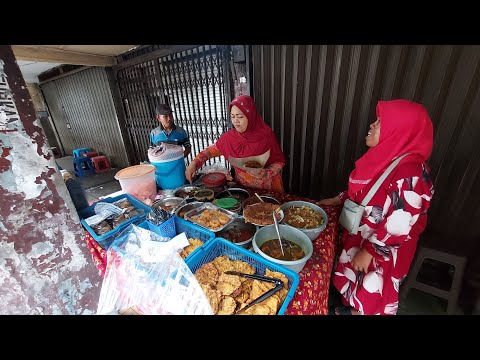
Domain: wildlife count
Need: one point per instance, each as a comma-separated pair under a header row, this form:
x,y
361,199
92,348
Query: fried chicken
x,y
227,306
243,267
207,274
223,263
213,297
187,250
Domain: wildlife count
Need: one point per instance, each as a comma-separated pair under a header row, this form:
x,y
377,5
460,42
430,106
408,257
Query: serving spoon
x,y
278,232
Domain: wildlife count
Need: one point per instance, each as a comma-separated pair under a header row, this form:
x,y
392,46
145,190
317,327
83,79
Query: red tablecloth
x,y
311,296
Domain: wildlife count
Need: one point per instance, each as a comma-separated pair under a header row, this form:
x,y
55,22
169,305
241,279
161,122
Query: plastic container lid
x,y
134,171
226,203
214,179
165,153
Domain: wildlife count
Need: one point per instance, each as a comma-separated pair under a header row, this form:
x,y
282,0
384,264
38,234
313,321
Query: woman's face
x,y
239,120
373,136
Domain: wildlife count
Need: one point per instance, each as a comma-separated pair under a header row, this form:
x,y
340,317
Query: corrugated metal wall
x,y
84,101
320,100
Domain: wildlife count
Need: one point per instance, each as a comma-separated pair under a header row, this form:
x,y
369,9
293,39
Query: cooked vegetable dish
x,y
303,217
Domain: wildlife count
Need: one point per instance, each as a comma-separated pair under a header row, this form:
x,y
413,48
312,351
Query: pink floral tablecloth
x,y
311,296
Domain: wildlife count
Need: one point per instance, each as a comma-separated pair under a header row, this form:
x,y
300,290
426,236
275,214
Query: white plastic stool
x,y
452,295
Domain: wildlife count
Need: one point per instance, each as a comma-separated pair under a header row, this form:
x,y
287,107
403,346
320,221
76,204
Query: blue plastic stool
x,y
83,166
80,152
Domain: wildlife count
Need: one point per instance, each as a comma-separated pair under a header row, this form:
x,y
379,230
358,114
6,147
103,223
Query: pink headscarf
x,y
405,127
256,140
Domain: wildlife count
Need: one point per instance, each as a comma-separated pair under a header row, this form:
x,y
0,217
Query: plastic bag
x,y
146,275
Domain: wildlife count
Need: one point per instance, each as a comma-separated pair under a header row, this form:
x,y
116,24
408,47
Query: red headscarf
x,y
405,127
256,140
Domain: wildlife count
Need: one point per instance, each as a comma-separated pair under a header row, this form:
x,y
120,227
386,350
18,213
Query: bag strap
x,y
381,179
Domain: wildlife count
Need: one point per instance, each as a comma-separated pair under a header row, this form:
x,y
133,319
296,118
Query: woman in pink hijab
x,y
375,261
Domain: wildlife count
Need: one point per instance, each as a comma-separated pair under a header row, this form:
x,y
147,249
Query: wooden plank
x,y
154,55
41,54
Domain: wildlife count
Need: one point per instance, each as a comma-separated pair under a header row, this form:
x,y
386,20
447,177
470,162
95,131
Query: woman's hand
x,y
335,201
191,171
361,261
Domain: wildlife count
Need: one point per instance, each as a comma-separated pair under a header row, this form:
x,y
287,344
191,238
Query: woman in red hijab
x,y
375,261
250,137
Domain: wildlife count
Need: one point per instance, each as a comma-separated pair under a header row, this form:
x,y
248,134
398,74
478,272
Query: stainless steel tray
x,y
209,206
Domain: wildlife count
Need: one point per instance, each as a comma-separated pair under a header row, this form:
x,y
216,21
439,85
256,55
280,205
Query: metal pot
x,y
183,190
237,193
240,224
169,204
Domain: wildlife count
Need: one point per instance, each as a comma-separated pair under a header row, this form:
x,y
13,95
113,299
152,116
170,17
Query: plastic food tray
x,y
219,247
209,206
105,240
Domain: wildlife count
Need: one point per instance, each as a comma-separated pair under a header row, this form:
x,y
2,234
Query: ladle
x,y
228,191
278,233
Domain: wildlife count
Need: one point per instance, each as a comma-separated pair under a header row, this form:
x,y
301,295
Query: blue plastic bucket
x,y
170,174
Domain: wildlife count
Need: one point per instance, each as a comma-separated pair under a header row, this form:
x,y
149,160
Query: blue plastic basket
x,y
219,247
106,239
176,225
165,229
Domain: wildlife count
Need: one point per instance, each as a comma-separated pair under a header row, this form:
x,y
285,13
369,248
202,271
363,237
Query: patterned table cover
x,y
311,296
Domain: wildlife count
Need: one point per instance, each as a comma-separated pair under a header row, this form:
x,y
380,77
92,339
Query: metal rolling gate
x,y
194,82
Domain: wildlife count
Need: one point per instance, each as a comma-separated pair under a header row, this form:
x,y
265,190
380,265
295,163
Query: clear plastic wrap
x,y
146,275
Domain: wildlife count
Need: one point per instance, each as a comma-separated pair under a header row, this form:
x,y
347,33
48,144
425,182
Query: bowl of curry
x,y
296,248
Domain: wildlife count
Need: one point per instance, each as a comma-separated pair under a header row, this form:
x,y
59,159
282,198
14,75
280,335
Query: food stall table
x,y
311,296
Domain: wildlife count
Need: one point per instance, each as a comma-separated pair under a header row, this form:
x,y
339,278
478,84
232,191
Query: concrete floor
x,y
416,303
